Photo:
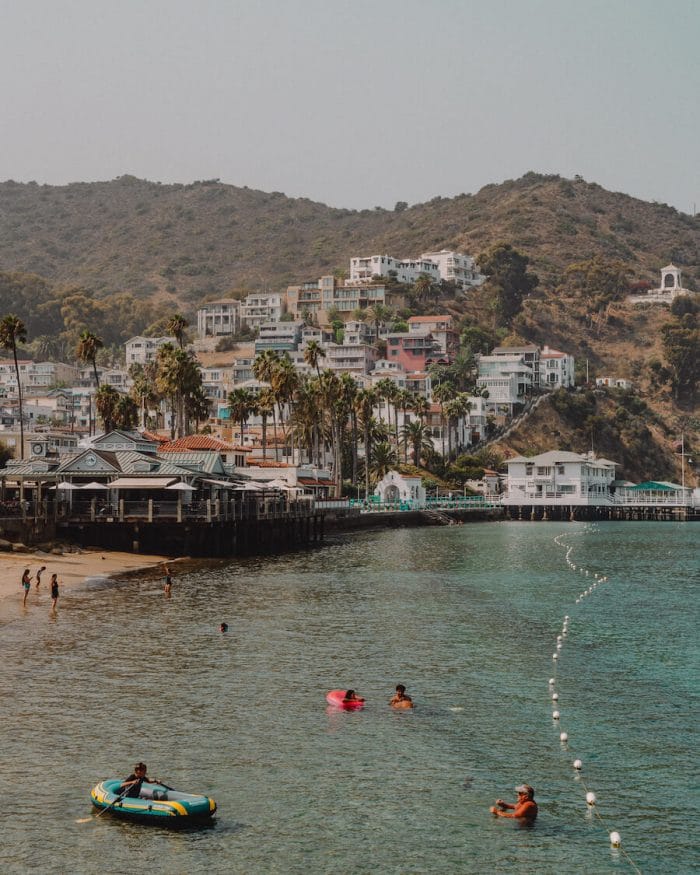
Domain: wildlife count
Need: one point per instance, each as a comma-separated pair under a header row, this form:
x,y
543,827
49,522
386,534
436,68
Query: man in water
x,y
401,700
525,807
132,784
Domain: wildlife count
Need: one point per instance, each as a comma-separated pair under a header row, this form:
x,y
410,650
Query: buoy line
x,y
591,800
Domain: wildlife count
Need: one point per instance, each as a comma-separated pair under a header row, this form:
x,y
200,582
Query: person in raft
x,y
223,627
38,575
131,786
401,700
525,807
54,592
26,584
351,696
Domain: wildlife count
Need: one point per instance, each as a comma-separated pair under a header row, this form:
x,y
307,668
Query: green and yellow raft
x,y
155,804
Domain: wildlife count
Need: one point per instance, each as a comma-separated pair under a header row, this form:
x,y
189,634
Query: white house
x,y
261,307
456,267
396,488
506,377
559,477
407,270
218,318
614,382
556,369
140,350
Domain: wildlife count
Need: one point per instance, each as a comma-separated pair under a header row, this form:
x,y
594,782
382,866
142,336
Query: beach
x,y
72,569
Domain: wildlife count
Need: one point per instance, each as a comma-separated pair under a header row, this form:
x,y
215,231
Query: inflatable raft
x,y
337,698
156,804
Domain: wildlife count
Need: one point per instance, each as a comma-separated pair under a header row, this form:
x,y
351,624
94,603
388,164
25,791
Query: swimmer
x,y
168,587
351,696
54,592
401,700
223,627
38,575
525,807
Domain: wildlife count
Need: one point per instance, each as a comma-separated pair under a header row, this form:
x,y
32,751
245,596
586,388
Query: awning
x,y
142,482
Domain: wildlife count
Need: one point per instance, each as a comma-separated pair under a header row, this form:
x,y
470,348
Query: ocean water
x,y
466,616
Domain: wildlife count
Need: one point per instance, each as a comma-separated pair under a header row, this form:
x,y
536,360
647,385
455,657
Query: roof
x,y
141,482
656,486
426,319
197,442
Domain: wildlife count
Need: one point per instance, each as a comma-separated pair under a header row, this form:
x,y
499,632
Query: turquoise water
x,y
466,617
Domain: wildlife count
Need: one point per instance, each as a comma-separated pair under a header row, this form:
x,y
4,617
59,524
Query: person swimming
x,y
351,696
400,700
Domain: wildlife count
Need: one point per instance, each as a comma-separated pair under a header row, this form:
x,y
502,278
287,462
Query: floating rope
x,y
613,835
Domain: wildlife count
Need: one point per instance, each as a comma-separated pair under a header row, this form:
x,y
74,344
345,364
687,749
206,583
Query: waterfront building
x,y
140,350
655,493
401,489
261,307
232,455
218,318
559,477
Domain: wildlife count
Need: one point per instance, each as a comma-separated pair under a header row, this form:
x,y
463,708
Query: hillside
x,y
169,247
185,242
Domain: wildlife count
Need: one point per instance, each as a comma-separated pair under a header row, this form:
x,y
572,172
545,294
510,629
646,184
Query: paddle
x,y
102,811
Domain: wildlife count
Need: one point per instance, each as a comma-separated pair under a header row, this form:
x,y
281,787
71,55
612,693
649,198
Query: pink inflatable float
x,y
337,698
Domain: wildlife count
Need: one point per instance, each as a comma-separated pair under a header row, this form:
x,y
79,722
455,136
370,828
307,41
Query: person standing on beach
x,y
38,575
168,588
54,592
26,585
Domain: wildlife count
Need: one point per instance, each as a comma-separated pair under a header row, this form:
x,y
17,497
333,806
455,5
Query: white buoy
x,y
577,601
555,656
563,736
596,574
586,572
615,839
551,682
555,697
558,637
590,798
566,618
559,646
578,764
555,715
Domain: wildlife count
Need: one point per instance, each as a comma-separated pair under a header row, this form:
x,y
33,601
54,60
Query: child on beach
x,y
26,584
38,575
54,592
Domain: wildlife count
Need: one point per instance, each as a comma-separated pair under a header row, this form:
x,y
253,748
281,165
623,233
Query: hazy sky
x,y
356,103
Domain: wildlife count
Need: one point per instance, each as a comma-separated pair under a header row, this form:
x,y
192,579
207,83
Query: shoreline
x,y
73,570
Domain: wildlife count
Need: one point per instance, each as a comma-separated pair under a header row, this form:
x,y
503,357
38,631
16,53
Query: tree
x,y
176,326
143,389
383,460
106,401
126,413
264,366
442,394
12,332
365,401
400,206
197,406
681,342
417,435
313,353
508,280
241,403
89,345
598,281
264,407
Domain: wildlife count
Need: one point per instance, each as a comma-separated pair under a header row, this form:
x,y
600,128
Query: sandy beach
x,y
72,569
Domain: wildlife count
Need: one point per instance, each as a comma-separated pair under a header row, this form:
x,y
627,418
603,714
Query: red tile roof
x,y
201,442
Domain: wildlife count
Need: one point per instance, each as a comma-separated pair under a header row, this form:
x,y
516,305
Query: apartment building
x,y
556,369
456,267
141,350
405,270
282,336
441,328
507,379
319,298
218,318
413,351
261,307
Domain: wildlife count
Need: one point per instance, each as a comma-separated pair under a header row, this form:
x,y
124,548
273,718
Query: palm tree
x,y
313,352
143,389
383,460
365,401
89,345
241,404
442,394
284,382
126,413
197,406
264,365
106,401
176,326
417,434
348,394
378,314
265,406
403,400
12,332
330,391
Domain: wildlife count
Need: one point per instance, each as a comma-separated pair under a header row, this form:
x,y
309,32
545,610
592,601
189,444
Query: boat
x,y
155,804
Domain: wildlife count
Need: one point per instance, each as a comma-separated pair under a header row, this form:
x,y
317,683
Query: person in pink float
x,y
351,696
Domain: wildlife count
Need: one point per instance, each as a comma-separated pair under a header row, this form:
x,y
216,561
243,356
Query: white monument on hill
x,y
671,287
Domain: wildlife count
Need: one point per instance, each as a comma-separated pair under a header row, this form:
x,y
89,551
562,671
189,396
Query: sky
x,y
354,103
